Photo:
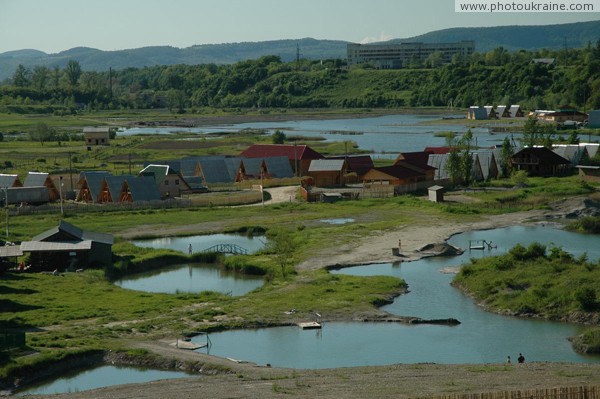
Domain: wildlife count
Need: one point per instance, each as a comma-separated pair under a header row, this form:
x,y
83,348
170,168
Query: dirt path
x,y
394,381
412,237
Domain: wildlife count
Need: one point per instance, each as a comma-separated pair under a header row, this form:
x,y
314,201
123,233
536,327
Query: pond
x,y
191,278
382,134
99,377
202,242
337,221
482,337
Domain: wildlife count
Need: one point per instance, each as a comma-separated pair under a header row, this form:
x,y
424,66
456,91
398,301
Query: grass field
x,y
85,312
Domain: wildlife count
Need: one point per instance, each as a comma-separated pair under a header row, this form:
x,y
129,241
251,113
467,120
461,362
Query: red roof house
x,y
299,155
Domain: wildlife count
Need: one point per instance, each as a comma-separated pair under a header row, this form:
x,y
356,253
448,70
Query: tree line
x,y
495,77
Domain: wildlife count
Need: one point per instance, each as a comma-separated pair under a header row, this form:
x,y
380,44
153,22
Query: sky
x,y
56,25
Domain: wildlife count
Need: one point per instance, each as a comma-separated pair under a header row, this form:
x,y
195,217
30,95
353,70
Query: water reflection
x,y
389,133
191,278
202,242
337,221
99,377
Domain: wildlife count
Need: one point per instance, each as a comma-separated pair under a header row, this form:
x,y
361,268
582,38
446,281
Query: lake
x,y
389,134
98,377
482,337
191,278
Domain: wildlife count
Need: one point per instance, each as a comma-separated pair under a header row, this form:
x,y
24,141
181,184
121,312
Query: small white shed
x,y
436,193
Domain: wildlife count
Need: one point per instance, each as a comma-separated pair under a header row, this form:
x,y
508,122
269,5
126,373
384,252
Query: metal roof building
x,y
67,247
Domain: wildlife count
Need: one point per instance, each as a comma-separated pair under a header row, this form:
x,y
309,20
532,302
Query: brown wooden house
x,y
299,156
540,161
328,172
37,179
67,247
394,175
417,161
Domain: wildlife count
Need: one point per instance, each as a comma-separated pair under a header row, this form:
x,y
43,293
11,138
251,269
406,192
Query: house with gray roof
x,y
439,161
573,152
67,247
94,136
38,179
476,112
215,170
139,189
502,111
90,185
515,111
10,181
278,168
487,164
327,172
169,181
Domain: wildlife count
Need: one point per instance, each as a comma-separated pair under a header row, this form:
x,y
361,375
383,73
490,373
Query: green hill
x,y
510,37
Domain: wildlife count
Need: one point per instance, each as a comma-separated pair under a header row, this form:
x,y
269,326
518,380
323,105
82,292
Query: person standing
x,y
190,249
521,358
508,360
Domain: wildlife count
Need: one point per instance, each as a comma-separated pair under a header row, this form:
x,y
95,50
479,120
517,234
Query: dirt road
x,y
394,381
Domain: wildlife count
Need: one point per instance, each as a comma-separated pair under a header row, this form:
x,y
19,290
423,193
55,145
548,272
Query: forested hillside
x,y
495,77
514,38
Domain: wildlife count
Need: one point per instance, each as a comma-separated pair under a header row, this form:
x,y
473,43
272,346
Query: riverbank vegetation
x,y
495,77
587,224
537,281
85,311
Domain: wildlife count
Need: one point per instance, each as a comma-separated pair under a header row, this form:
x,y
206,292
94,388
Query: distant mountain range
x,y
510,37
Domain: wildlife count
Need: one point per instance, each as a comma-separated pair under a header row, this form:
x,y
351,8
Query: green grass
x,y
535,280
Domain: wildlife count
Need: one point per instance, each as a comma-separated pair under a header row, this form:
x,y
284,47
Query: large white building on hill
x,y
398,55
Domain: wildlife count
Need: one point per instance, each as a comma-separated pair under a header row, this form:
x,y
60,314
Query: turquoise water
x,y
99,377
482,337
191,278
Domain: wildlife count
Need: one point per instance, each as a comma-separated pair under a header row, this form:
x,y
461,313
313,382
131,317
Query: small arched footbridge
x,y
227,249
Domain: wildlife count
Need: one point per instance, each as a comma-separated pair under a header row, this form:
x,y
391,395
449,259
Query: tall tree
x,y
505,156
73,73
466,158
283,246
21,77
42,133
40,77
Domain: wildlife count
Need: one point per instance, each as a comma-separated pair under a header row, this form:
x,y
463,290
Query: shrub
x,y
586,296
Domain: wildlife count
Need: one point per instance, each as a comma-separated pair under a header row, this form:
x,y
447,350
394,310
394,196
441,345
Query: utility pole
x,y
262,190
297,56
70,171
6,208
62,213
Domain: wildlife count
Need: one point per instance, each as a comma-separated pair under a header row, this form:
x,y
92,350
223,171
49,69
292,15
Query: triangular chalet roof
x,y
292,152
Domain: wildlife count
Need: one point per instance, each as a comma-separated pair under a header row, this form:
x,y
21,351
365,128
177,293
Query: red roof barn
x,y
299,155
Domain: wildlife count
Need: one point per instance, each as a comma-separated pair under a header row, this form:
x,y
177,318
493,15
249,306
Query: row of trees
x,y
491,78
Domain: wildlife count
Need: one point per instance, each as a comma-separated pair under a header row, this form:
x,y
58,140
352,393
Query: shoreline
x,y
218,370
189,121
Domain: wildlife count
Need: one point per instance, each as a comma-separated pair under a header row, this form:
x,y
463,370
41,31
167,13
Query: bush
x,y
586,296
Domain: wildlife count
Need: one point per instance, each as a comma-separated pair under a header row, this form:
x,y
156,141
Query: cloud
x,y
383,37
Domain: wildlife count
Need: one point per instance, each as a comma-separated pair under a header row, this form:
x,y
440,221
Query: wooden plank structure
x,y
181,344
309,325
579,392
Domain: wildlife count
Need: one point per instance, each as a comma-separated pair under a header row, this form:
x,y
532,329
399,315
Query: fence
x,y
75,207
581,392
